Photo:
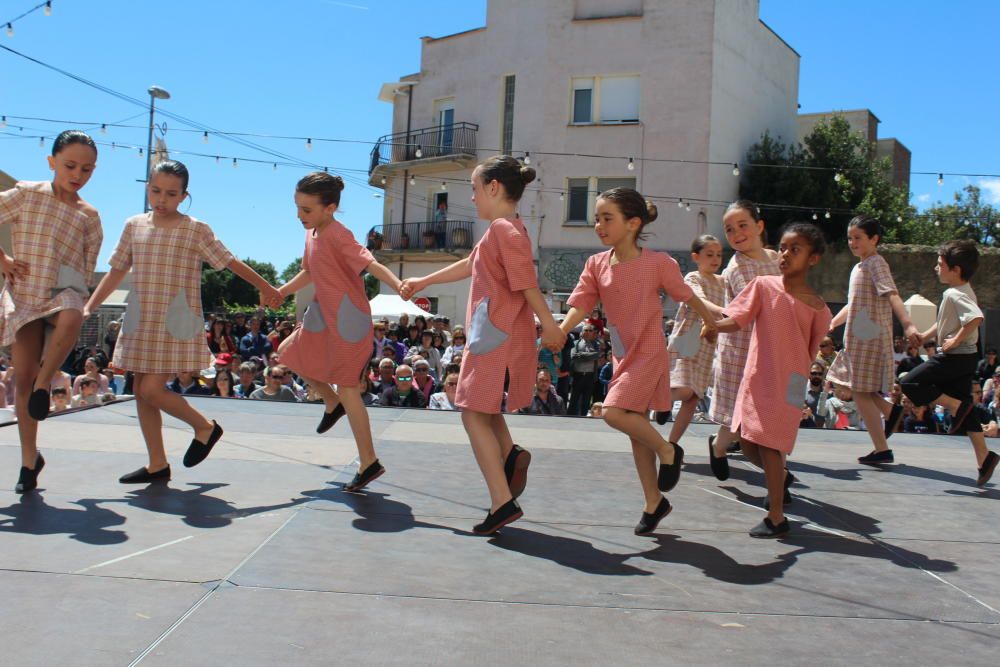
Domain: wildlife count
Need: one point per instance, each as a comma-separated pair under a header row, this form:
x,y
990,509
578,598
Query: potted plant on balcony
x,y
429,239
404,241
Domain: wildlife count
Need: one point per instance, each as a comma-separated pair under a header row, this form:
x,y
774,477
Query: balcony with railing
x,y
426,240
441,146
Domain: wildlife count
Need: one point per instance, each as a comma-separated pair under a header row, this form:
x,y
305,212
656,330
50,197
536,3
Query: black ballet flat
x,y
662,417
330,418
766,529
789,480
198,451
515,468
28,479
143,476
720,464
648,523
38,404
670,473
365,477
892,421
506,513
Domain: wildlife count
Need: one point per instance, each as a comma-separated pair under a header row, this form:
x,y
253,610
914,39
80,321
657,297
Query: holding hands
x,y
912,336
553,337
410,287
271,297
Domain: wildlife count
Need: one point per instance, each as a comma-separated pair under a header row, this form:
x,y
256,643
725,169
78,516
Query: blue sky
x,y
313,68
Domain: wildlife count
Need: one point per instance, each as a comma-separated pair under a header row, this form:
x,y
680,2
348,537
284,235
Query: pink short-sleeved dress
x,y
691,353
732,349
163,330
501,326
59,243
333,344
785,339
865,364
630,294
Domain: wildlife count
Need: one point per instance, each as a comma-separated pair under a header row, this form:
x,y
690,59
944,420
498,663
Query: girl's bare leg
x,y
26,354
486,448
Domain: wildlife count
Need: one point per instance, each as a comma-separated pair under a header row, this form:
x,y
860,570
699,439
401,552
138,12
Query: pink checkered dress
x,y
334,341
163,330
500,323
694,371
731,357
630,294
866,364
59,243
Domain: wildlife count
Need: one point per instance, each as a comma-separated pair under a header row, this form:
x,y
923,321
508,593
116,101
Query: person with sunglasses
x,y
274,388
403,394
445,399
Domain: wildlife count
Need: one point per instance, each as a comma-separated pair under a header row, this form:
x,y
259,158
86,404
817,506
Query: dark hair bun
x,y
338,183
651,210
527,174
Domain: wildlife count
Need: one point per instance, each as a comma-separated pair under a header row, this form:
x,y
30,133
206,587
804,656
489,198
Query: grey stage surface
x,y
257,557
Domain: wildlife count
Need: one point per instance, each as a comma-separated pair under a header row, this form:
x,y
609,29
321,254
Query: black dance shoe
x,y
985,471
767,529
515,468
506,513
648,523
720,464
28,479
876,458
38,404
662,417
198,451
892,421
330,418
670,473
365,477
143,476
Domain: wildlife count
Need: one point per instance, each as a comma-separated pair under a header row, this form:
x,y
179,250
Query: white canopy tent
x,y
391,306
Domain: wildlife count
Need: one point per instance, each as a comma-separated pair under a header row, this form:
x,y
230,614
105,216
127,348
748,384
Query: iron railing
x,y
445,235
428,142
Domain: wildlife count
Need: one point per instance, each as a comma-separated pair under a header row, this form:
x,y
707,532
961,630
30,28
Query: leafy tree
x,y
966,217
372,286
223,288
291,270
834,171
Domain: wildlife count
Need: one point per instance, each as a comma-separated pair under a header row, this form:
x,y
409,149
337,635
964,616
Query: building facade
x,y
662,95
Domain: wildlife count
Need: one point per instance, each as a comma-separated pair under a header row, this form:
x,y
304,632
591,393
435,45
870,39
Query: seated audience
x,y
445,399
403,394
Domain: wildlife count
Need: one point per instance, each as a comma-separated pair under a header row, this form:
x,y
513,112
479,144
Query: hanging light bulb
x,y
562,196
10,30
837,177
275,166
3,121
413,181
216,159
937,223
114,146
309,144
41,142
419,153
444,186
736,169
940,179
48,8
104,128
680,203
631,165
899,218
815,217
687,207
140,152
204,137
827,215
527,157
235,164
383,180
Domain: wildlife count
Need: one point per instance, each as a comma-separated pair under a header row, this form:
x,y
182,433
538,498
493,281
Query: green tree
x,y
223,288
291,270
834,171
372,286
966,217
214,288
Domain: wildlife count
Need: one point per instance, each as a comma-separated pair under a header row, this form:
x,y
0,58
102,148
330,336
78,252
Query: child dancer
x,y
55,236
946,378
628,280
163,330
501,333
789,319
334,342
745,233
866,364
692,372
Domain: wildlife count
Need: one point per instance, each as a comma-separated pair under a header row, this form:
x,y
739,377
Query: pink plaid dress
x,y
730,360
630,293
785,337
163,330
866,364
692,354
334,341
59,243
501,326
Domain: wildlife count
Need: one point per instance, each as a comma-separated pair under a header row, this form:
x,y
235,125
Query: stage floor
x,y
257,557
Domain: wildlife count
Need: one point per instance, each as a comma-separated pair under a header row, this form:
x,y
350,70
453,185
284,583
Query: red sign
x,y
423,303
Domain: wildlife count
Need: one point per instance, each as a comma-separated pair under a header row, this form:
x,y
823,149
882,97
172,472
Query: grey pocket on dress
x,y
795,393
687,344
70,278
484,336
617,346
183,323
353,324
312,318
864,327
133,314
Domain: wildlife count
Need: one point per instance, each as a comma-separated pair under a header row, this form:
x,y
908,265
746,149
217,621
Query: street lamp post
x,y
155,93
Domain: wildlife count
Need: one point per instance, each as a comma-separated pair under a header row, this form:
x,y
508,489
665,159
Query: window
x,y
608,99
507,122
603,9
582,195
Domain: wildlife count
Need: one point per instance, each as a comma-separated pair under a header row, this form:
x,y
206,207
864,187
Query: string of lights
x,y
9,24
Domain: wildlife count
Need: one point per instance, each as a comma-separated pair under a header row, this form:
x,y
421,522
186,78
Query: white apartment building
x,y
662,95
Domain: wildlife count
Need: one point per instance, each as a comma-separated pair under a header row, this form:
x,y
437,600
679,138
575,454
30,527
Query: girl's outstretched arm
x,y
840,318
552,336
111,280
909,329
268,294
385,275
301,279
452,273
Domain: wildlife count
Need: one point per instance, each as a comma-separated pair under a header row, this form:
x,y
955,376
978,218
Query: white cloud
x,y
922,199
991,189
